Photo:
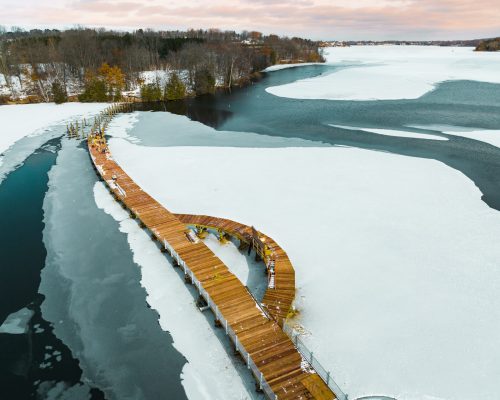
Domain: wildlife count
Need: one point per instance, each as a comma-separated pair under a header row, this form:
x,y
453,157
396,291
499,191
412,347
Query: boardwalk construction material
x,y
281,275
278,367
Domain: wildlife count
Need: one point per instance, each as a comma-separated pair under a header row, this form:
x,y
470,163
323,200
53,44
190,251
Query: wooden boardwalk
x,y
281,275
278,367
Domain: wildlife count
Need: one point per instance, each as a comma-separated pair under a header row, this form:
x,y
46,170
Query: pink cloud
x,y
380,19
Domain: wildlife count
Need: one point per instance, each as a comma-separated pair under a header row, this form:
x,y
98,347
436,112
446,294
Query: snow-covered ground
x,y
393,72
392,132
19,121
210,372
396,257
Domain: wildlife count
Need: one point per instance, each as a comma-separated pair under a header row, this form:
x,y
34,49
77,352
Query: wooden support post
x,y
243,245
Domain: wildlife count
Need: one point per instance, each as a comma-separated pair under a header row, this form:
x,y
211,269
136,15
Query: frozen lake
x,y
386,201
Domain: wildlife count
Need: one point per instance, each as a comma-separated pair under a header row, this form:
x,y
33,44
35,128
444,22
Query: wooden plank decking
x,y
281,291
266,349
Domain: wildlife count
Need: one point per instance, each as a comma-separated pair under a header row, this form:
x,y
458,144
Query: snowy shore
x,y
395,256
392,72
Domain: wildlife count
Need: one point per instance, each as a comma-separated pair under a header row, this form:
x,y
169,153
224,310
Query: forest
x,y
103,65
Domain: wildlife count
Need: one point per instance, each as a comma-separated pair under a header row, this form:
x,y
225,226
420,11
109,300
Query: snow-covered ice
x,y
392,72
392,132
210,372
167,129
121,125
279,67
490,136
397,258
248,271
17,323
23,120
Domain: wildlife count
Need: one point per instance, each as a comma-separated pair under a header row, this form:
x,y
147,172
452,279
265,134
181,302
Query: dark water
x,y
93,291
21,219
22,257
65,260
458,103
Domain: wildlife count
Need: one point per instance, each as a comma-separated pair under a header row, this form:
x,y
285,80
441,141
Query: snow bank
x,y
396,257
23,120
210,372
391,132
393,72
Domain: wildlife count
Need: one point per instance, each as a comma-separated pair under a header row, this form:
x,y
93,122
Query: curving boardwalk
x,y
278,367
281,275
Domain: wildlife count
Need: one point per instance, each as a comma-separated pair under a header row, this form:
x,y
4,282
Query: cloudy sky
x,y
318,19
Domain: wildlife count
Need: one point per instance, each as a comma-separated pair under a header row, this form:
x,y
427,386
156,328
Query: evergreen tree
x,y
95,91
175,88
204,82
151,92
59,94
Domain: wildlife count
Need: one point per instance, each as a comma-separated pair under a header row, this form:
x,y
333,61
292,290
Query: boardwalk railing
x,y
263,385
313,362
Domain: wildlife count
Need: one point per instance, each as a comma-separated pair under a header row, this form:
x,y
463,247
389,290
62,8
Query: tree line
x,y
99,64
489,45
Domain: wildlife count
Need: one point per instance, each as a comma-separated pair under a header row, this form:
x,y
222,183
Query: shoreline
x,y
246,81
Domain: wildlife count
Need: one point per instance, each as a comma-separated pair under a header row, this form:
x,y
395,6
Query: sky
x,y
315,19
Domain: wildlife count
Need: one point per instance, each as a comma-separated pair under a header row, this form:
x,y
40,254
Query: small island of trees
x,y
489,45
